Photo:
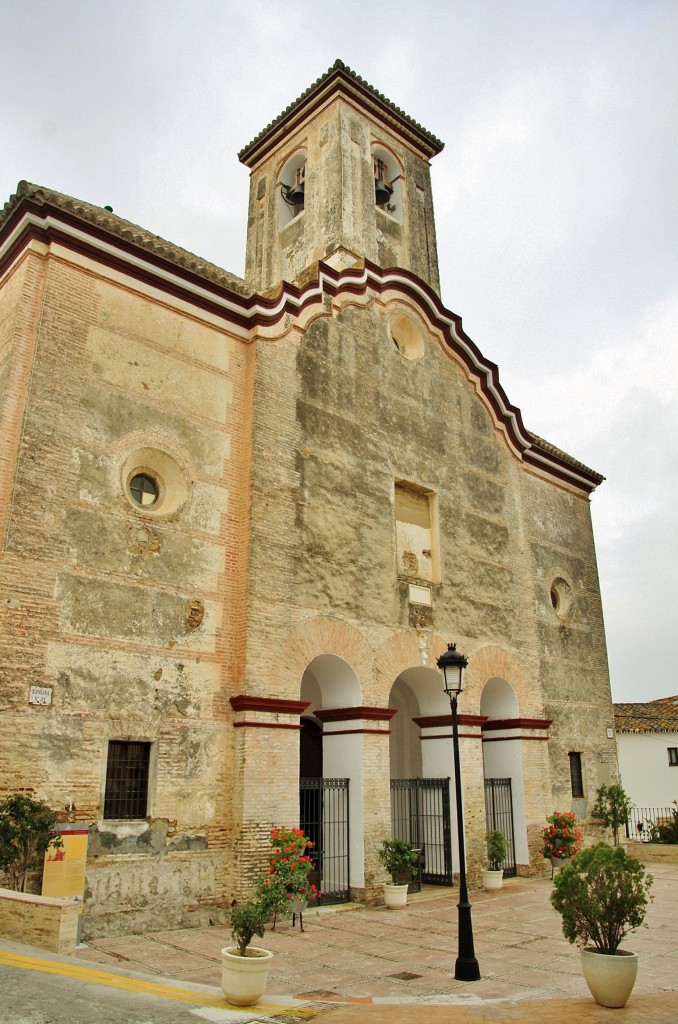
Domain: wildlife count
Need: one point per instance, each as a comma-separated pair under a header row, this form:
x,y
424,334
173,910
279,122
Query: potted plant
x,y
284,888
244,968
288,882
560,838
400,860
493,875
612,809
602,896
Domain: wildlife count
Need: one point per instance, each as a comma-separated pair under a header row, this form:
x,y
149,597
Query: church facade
x,y
240,520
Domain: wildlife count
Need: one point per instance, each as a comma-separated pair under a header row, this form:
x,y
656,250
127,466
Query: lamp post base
x,y
466,966
466,969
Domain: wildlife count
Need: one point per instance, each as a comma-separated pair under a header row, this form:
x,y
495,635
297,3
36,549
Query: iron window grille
x,y
127,775
576,777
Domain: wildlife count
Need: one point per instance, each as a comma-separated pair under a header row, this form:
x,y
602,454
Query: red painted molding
x,y
510,739
267,725
431,721
449,736
272,705
352,732
517,723
347,714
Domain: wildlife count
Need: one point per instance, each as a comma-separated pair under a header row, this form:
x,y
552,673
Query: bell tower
x,y
341,167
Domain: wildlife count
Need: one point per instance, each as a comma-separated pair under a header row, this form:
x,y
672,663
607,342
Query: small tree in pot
x,y
248,919
612,809
492,876
244,968
602,896
400,860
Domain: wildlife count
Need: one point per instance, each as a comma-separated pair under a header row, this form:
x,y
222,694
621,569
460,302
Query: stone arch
x,y
318,636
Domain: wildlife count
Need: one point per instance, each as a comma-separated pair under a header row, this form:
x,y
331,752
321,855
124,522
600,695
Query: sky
x,y
555,200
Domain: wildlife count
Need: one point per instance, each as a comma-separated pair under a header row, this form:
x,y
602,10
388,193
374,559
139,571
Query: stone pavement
x,y
378,963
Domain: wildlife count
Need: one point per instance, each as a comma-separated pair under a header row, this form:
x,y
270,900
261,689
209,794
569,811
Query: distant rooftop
x,y
656,716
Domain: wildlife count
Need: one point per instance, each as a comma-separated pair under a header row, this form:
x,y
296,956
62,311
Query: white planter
x,y
395,896
491,880
243,978
610,978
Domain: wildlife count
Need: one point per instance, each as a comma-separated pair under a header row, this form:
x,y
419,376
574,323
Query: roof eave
x,y
340,79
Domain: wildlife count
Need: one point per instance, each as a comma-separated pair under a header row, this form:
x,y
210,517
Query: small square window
x,y
127,773
576,777
673,756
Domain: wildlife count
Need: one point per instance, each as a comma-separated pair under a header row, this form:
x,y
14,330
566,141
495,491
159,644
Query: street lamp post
x,y
452,664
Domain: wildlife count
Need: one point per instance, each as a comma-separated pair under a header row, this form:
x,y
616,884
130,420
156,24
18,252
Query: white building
x,y
647,743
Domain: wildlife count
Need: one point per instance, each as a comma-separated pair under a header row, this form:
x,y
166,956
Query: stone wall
x,y
134,619
39,920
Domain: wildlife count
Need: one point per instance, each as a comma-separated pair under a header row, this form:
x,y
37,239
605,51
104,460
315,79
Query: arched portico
x,y
422,772
510,753
352,735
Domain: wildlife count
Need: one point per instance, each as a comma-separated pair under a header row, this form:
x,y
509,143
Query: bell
x,y
382,191
295,194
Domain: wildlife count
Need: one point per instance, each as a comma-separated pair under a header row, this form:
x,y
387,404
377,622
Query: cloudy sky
x,y
556,203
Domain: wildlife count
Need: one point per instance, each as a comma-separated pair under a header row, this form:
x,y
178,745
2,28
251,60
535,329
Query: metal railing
x,y
641,820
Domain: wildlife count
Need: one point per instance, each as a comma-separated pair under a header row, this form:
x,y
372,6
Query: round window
x,y
144,489
561,597
154,482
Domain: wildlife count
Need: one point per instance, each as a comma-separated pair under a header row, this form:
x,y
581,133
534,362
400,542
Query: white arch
x,y
498,700
503,754
330,682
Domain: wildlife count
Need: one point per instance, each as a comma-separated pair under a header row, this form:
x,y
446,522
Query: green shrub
x,y
247,919
666,831
495,841
27,828
399,859
602,896
612,809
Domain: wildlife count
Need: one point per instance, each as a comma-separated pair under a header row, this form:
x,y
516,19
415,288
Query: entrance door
x,y
420,816
499,815
323,817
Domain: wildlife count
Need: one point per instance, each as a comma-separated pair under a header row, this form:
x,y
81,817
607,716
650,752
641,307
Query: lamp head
x,y
452,664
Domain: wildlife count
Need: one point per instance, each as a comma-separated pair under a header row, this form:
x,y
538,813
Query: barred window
x,y
127,774
576,777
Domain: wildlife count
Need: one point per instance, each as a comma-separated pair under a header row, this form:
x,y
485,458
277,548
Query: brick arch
x,y
494,662
399,653
316,636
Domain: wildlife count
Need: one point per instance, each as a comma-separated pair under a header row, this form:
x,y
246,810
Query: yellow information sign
x,y
64,868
